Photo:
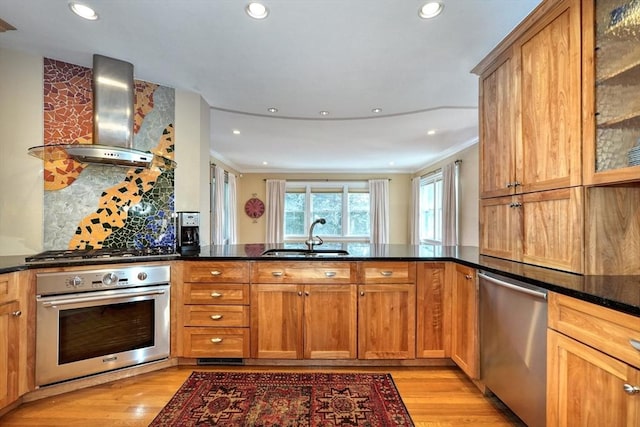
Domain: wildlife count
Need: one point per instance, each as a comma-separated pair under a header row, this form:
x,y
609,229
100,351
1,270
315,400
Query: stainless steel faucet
x,y
314,241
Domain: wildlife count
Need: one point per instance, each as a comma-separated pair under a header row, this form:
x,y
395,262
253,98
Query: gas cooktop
x,y
71,255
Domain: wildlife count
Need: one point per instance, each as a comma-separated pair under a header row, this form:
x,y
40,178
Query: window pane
x,y
431,210
329,207
294,214
359,214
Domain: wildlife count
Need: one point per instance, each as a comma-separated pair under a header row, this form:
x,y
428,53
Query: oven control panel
x,y
101,279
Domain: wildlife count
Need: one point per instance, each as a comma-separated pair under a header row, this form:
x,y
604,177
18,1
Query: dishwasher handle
x,y
517,288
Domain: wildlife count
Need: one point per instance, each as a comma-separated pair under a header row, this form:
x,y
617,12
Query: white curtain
x,y
414,212
379,206
449,205
232,210
218,212
276,189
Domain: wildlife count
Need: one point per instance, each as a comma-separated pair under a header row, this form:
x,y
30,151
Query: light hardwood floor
x,y
434,396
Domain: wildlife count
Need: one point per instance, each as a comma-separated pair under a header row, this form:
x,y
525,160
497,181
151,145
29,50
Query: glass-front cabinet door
x,y
614,123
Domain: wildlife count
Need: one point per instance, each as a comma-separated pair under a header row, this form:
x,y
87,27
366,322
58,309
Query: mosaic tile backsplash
x,y
99,206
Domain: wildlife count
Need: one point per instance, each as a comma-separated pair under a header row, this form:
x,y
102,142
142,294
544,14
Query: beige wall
x,y
21,176
469,192
249,184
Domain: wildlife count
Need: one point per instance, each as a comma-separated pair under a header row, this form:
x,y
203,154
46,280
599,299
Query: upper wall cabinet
x,y
530,119
611,58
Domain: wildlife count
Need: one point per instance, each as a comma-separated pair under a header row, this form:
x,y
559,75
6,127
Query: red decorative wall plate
x,y
254,208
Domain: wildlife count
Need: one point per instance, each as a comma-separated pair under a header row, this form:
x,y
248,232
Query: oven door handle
x,y
100,298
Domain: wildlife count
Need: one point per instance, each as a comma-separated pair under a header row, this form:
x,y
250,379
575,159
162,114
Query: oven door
x,y
84,334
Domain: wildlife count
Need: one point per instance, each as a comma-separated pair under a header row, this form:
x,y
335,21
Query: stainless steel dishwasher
x,y
513,345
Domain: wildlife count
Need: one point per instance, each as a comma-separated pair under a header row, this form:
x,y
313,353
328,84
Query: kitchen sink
x,y
291,252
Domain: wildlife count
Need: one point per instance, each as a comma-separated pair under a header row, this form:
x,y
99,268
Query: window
x,y
431,208
345,207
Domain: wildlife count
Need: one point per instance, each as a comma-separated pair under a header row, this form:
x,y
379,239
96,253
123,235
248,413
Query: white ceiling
x,y
343,56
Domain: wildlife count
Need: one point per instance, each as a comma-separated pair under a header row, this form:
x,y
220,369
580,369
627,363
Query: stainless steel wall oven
x,y
98,320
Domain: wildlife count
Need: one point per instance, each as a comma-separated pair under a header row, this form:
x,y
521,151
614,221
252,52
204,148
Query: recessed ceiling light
x,y
324,113
430,10
257,10
392,163
236,132
83,11
377,110
265,163
431,132
272,109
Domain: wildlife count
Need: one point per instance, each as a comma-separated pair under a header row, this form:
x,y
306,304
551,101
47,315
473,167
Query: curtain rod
x,y
331,180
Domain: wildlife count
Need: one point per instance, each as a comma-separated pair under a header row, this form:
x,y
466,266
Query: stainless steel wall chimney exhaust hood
x,y
113,117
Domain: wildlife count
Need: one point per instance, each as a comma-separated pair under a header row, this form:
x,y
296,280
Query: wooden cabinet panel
x,y
388,272
276,321
433,311
216,272
500,228
300,272
330,313
465,350
216,315
216,342
497,129
586,387
607,330
550,89
386,321
206,293
9,352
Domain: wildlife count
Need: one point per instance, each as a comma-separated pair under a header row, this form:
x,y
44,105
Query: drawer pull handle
x,y
276,273
216,317
216,273
631,389
635,344
330,273
387,273
216,294
17,313
216,340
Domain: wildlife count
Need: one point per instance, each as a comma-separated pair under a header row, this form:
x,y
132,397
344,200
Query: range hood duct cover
x,y
113,118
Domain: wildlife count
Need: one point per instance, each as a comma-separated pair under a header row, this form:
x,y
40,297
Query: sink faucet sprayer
x,y
317,241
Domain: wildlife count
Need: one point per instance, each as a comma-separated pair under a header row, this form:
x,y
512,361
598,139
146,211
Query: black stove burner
x,y
103,253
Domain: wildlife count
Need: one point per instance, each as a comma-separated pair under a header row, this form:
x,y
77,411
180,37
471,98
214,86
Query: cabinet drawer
x,y
197,293
8,288
216,342
602,328
303,272
388,272
216,315
216,272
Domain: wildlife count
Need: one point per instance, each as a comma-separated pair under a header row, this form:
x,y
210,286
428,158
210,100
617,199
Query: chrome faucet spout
x,y
314,241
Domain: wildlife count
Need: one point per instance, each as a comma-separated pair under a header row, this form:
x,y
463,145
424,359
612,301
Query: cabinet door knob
x,y
468,276
517,183
16,313
387,273
361,293
631,389
216,273
216,317
299,293
509,185
216,340
330,273
276,273
306,293
635,344
216,294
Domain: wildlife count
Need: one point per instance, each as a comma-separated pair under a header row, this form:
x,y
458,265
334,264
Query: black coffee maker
x,y
188,232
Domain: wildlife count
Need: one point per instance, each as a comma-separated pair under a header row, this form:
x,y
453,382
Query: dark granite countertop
x,y
621,293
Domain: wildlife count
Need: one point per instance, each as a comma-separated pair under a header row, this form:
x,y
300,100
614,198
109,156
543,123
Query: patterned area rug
x,y
268,399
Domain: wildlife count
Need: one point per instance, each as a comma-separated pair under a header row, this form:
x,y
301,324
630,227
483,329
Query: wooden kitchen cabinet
x,y
304,310
214,313
593,371
465,349
542,228
387,310
530,105
17,297
433,311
